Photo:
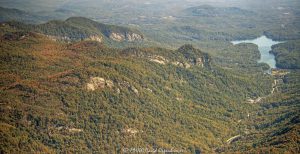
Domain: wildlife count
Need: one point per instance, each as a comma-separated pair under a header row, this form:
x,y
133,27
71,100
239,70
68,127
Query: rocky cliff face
x,y
134,37
59,38
68,39
95,38
194,56
188,57
125,37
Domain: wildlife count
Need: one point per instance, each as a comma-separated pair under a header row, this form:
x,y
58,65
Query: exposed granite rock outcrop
x,y
125,37
98,83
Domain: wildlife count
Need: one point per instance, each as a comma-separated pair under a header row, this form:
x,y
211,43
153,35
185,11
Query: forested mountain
x,y
131,76
287,54
87,97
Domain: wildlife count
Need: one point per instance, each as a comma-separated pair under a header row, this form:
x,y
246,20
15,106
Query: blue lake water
x,y
264,46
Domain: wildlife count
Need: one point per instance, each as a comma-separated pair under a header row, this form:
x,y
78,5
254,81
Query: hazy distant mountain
x,y
210,11
18,15
33,5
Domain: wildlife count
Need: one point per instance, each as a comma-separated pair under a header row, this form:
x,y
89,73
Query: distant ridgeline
x,y
210,11
80,28
7,14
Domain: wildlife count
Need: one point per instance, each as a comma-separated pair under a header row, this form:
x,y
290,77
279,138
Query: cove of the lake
x,y
264,46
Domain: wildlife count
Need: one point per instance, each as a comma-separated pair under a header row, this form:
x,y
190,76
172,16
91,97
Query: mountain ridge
x,y
80,28
210,11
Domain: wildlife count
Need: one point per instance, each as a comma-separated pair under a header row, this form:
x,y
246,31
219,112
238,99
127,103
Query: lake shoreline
x,y
264,46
